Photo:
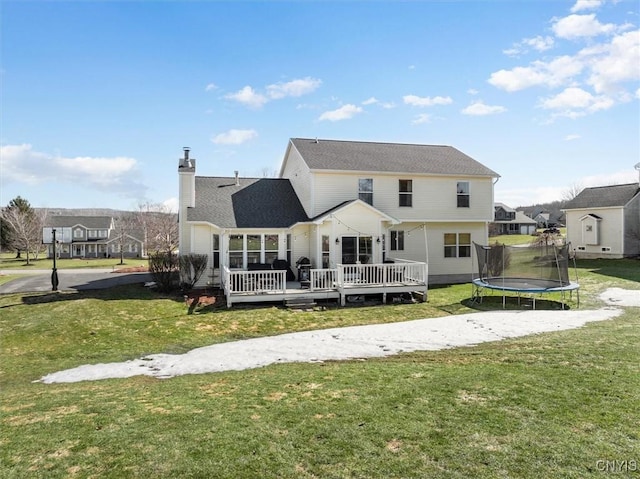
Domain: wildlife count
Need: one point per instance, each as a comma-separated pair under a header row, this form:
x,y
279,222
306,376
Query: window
x,y
397,241
289,248
236,248
365,190
216,251
270,248
405,192
325,251
77,233
457,245
253,249
463,194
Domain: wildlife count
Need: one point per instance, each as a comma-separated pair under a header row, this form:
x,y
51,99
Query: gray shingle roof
x,y
388,157
256,203
604,196
91,222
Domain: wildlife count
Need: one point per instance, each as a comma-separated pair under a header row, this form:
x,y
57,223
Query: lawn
x,y
9,261
549,405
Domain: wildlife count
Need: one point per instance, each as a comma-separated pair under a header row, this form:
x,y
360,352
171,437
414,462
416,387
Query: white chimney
x,y
637,167
237,180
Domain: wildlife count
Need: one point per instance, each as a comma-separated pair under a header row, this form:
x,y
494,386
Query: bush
x,y
192,266
164,269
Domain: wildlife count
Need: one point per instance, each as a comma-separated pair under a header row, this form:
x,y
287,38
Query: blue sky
x,y
98,98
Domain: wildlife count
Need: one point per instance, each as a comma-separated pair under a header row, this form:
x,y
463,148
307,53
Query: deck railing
x,y
400,273
386,274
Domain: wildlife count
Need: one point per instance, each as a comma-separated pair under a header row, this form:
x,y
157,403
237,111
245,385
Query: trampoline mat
x,y
525,285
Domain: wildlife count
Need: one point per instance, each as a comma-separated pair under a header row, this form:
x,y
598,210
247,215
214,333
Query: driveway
x,y
69,279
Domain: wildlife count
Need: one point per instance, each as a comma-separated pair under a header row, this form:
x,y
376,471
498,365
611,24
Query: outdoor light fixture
x,y
337,240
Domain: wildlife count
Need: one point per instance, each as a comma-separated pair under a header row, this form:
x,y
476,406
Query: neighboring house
x,y
508,221
340,203
91,237
604,222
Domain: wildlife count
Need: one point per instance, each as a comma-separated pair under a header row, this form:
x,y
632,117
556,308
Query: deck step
x,y
299,303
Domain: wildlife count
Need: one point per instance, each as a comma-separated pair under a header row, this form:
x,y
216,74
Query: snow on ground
x,y
342,343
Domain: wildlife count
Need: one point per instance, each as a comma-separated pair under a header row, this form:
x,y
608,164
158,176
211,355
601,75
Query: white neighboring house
x,y
339,203
90,237
604,221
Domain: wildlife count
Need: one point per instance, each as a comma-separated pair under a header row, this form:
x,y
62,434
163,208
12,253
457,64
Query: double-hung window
x,y
365,190
457,245
405,192
397,240
463,194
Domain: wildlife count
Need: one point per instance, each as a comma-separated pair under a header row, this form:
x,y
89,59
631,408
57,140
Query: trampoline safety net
x,y
545,265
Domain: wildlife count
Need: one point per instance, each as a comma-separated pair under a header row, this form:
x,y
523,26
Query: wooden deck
x,y
337,283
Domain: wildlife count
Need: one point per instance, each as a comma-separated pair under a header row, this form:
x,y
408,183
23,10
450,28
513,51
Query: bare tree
x,y
25,226
125,227
572,191
160,226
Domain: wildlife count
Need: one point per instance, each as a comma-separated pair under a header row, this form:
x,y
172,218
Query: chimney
x,y
237,180
186,162
637,167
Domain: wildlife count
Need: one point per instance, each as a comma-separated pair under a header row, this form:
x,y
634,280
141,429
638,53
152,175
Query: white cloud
x,y
614,63
343,113
422,118
579,26
388,105
293,88
211,87
638,94
472,91
370,101
276,91
234,137
248,96
171,204
572,137
574,102
21,164
478,108
414,100
538,43
586,5
555,73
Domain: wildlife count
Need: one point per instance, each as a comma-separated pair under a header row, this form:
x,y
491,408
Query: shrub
x,y
164,270
192,266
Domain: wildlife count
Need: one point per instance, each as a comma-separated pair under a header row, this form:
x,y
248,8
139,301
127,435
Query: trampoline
x,y
523,270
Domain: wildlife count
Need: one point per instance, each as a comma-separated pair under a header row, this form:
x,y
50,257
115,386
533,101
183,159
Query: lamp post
x,y
54,272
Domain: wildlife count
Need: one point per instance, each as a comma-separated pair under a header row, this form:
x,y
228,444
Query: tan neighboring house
x,y
341,203
90,237
604,221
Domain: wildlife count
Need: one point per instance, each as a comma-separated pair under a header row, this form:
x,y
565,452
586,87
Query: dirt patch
x,y
133,269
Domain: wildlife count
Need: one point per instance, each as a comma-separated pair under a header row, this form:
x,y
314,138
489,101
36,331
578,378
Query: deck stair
x,y
300,303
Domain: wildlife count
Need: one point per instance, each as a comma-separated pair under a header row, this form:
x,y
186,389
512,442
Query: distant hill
x,y
83,211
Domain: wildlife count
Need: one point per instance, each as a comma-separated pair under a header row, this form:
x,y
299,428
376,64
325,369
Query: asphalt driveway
x,y
69,279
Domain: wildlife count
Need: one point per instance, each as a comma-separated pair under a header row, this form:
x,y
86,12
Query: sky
x,y
100,97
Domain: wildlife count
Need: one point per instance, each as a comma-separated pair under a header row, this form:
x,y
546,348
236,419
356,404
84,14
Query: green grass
x,y
548,405
9,261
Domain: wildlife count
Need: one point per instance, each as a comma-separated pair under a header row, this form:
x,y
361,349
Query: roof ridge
x,y
371,142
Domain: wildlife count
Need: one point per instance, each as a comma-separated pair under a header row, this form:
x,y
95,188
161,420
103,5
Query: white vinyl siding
x,y
610,231
433,198
297,171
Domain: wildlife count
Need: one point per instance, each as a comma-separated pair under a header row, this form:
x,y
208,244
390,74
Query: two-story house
x,y
508,221
91,237
340,203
